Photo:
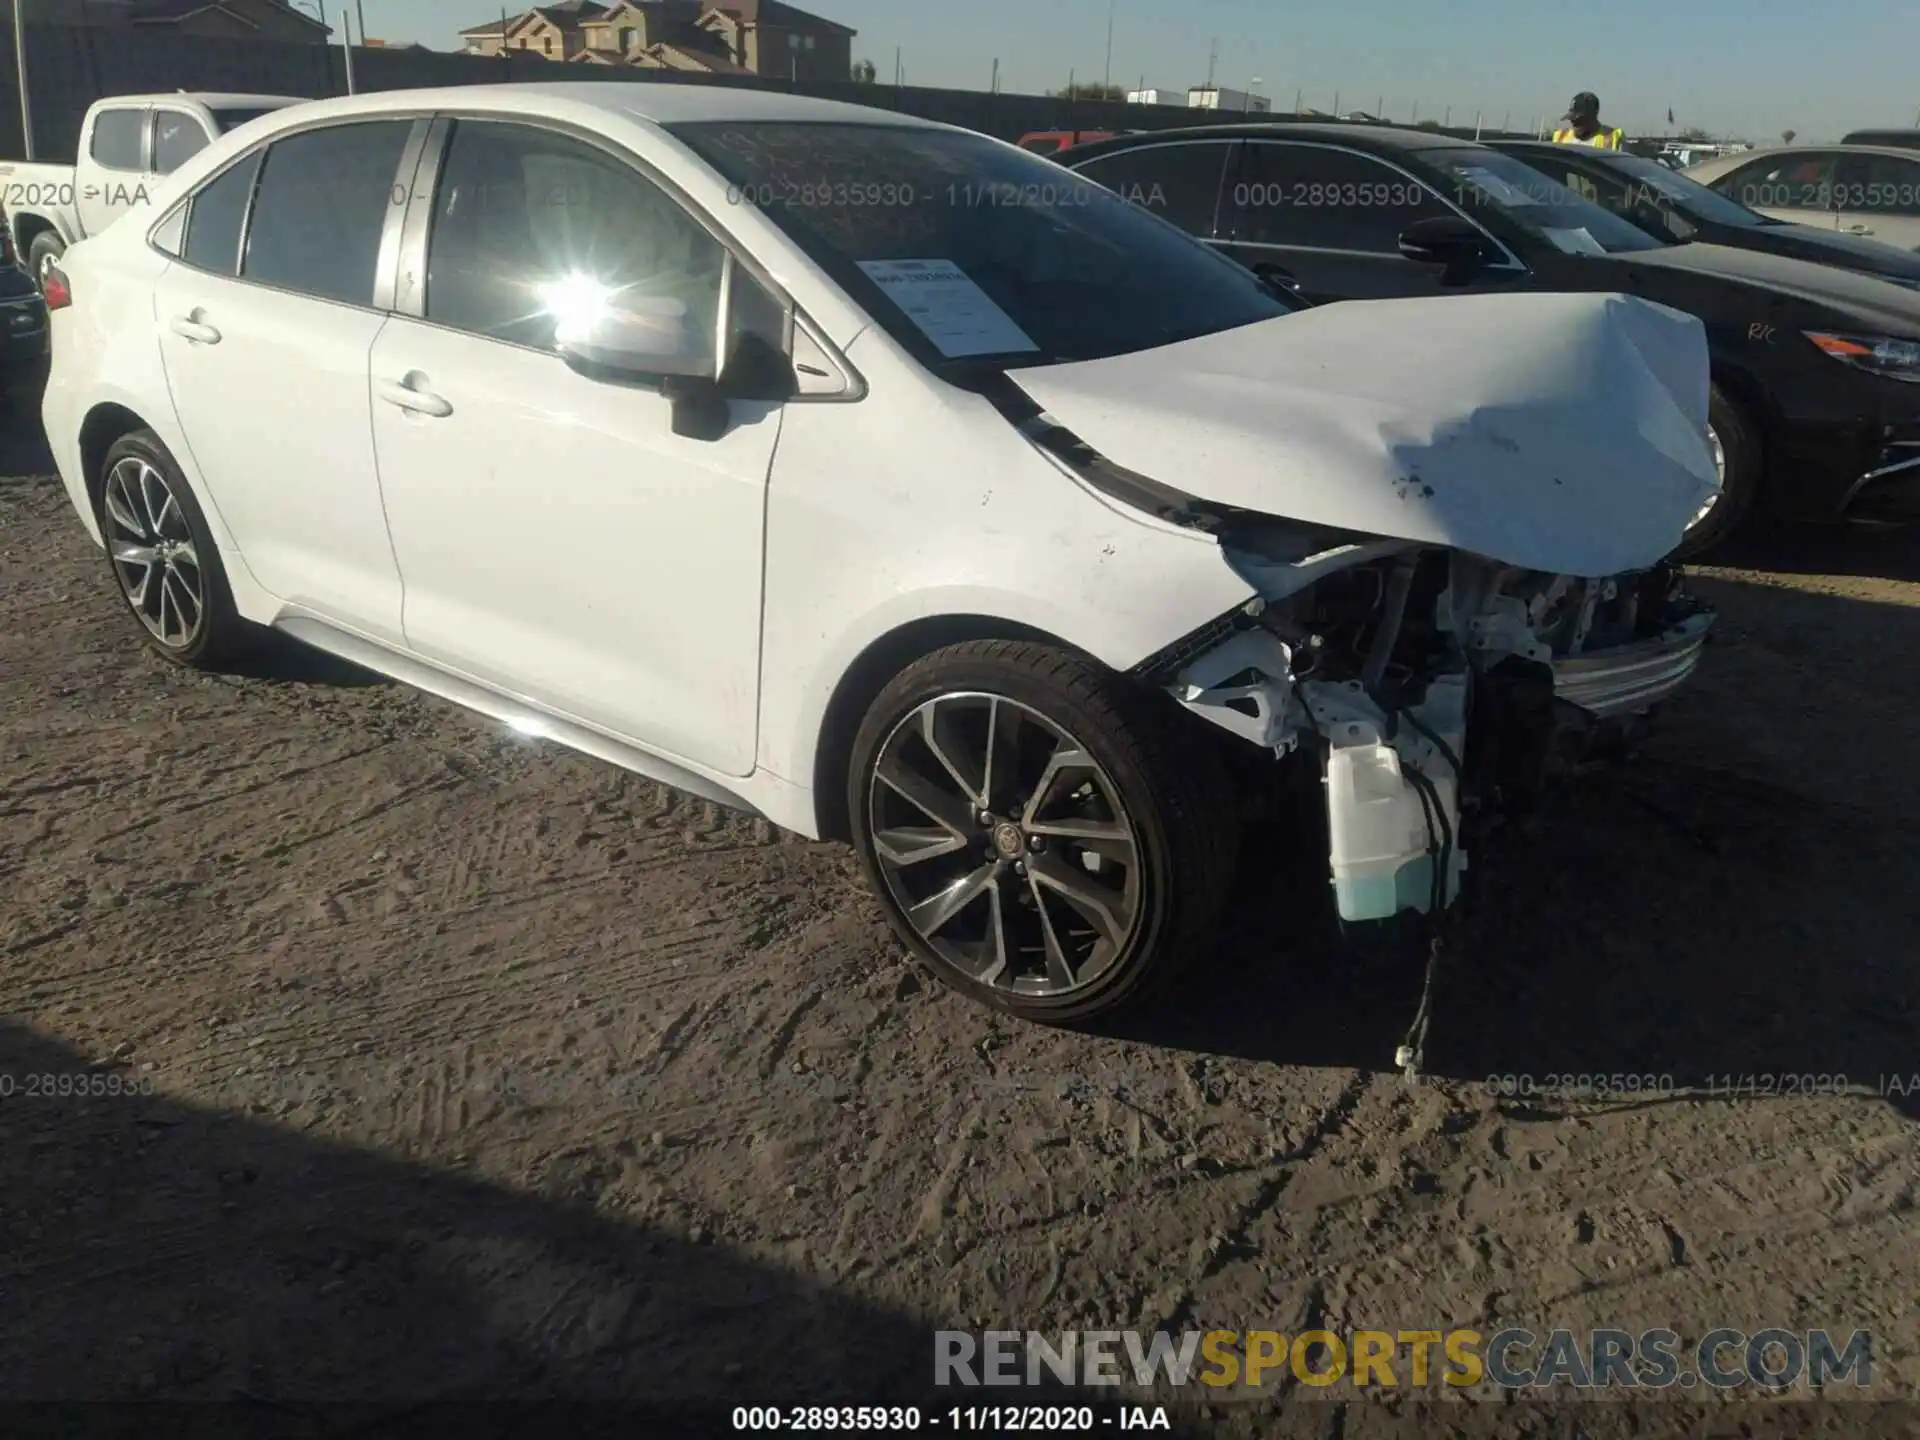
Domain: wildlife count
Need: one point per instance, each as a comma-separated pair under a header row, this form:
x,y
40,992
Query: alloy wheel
x,y
1005,844
154,554
1720,471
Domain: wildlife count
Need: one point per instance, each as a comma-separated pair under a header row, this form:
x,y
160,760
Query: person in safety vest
x,y
1583,125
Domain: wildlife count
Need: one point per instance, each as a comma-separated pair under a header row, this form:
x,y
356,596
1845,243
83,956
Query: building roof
x,y
172,12
777,12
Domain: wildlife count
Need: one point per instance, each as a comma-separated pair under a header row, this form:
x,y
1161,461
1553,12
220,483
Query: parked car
x,y
888,481
1815,402
1859,190
1887,139
1678,209
1052,142
23,337
127,143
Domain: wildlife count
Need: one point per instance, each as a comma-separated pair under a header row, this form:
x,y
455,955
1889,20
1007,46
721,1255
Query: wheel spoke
x,y
168,507
932,914
905,845
1068,760
997,952
166,594
125,552
137,594
1005,725
951,812
119,507
149,481
1102,908
1109,839
946,747
1059,969
189,593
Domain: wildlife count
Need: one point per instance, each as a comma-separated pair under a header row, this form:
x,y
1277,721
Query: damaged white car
x,y
889,482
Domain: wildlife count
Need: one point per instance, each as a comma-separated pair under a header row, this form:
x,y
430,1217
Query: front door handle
x,y
415,401
200,333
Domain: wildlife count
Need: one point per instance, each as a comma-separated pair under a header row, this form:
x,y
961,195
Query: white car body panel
x,y
689,608
1564,433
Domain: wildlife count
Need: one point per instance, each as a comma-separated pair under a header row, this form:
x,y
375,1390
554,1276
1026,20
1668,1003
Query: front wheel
x,y
43,255
1740,461
1045,836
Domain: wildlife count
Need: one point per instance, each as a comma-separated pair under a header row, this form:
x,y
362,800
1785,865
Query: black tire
x,y
46,249
1168,779
218,635
1741,444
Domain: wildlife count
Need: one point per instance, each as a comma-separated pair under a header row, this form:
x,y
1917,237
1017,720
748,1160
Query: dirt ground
x,y
481,1070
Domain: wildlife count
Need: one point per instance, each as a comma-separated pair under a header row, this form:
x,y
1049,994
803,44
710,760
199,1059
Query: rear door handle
x,y
415,402
1859,229
187,328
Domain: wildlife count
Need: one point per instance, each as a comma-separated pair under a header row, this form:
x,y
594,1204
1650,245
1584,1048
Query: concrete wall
x,y
71,66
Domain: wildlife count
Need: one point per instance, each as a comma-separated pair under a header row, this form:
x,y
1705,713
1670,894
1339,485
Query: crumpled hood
x,y
1564,433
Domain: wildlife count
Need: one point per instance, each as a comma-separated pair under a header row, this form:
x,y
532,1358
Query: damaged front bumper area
x,y
1427,683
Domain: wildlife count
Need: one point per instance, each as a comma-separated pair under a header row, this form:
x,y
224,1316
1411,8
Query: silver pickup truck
x,y
127,142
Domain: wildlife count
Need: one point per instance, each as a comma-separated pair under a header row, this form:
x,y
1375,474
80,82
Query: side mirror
x,y
1452,242
649,340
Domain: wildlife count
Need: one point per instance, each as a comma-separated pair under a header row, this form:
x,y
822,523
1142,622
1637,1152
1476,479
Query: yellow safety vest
x,y
1599,140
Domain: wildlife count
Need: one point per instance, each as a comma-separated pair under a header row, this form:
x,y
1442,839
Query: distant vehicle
x,y
1815,401
1675,207
1859,189
126,143
1886,139
23,337
1052,142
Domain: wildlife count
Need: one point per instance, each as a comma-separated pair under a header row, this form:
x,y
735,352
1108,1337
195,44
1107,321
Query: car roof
x,y
660,102
213,101
1764,151
1374,137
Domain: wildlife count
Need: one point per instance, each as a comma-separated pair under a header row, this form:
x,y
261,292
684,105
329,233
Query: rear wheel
x,y
163,558
43,255
1044,836
1741,461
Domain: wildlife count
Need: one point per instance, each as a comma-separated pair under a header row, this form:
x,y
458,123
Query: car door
x,y
1179,180
559,540
1879,196
1329,216
1797,187
115,167
267,321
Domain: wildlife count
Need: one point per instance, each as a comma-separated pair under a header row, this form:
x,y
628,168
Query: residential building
x,y
221,19
721,37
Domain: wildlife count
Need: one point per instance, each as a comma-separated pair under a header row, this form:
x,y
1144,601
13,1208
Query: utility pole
x,y
1298,92
1336,104
360,18
1449,120
993,85
1416,114
896,67
346,44
1213,59
20,68
1107,84
1476,125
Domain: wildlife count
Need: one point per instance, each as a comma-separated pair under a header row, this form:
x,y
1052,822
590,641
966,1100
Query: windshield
x,y
1647,182
967,250
1543,207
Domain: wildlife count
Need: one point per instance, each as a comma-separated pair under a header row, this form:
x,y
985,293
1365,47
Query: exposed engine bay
x,y
1425,680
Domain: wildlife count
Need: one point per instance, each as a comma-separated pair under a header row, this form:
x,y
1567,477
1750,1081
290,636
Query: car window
x,y
1501,191
1878,185
1318,197
530,228
119,139
972,255
217,212
177,139
1180,183
1790,182
322,202
233,119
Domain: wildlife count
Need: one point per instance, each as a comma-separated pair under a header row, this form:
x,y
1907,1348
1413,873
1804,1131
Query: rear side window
x,y
1316,197
119,139
322,205
214,221
177,139
1180,183
1797,182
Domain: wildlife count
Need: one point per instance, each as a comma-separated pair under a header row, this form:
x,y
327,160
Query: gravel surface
x,y
471,1068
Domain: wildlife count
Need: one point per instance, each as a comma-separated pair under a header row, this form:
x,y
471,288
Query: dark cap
x,y
1586,105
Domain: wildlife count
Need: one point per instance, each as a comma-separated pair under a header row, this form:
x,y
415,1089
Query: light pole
x,y
1252,85
1107,83
20,69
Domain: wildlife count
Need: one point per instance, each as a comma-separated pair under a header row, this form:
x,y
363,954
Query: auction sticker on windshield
x,y
954,313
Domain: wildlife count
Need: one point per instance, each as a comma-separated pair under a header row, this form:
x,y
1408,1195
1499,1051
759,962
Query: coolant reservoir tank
x,y
1378,833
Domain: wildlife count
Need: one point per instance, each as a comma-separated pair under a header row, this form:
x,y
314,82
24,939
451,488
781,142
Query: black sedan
x,y
1670,207
23,337
1816,371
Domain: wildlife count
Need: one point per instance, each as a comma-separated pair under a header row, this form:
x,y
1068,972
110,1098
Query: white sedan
x,y
887,481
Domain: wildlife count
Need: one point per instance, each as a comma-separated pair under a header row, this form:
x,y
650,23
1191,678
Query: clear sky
x,y
1751,67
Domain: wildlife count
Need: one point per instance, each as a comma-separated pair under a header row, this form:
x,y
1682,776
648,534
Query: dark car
x,y
1893,139
1816,371
1671,207
23,337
